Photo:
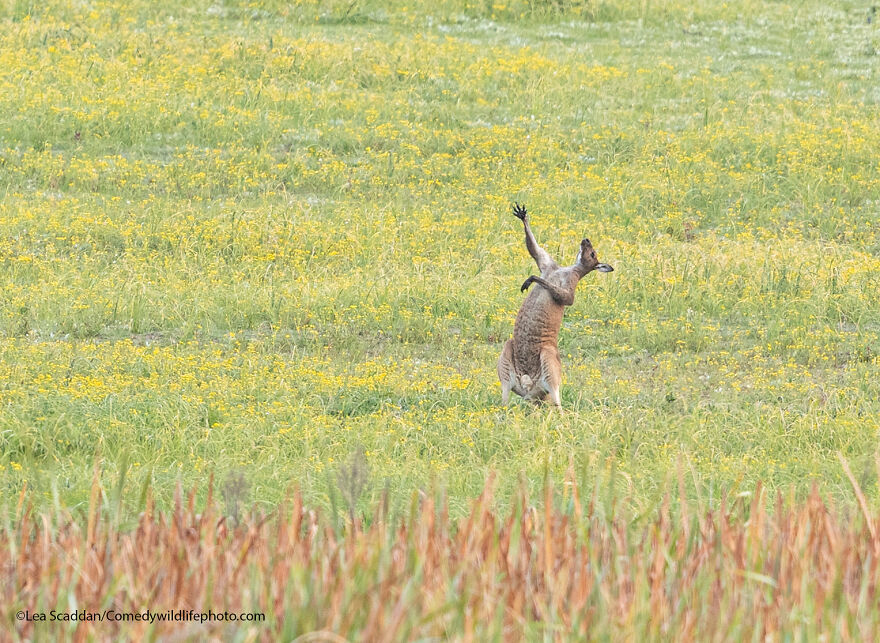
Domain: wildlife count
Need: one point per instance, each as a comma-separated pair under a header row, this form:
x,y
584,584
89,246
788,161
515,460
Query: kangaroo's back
x,y
536,328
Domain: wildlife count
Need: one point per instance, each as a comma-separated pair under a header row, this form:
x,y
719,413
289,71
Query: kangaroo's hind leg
x,y
506,372
551,374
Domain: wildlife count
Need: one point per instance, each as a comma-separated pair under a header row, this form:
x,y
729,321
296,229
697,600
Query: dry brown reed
x,y
757,568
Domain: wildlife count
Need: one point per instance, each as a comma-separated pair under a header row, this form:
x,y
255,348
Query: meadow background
x,y
255,239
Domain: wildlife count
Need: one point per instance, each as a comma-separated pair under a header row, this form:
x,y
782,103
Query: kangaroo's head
x,y
587,260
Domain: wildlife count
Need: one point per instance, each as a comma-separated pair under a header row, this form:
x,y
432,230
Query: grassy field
x,y
252,239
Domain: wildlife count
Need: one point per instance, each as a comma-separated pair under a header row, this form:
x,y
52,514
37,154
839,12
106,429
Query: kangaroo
x,y
529,364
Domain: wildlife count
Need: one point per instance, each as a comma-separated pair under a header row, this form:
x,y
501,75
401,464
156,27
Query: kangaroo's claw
x,y
528,282
519,211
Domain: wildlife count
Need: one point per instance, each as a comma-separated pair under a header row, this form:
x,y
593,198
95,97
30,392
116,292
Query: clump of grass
x,y
352,479
235,490
758,567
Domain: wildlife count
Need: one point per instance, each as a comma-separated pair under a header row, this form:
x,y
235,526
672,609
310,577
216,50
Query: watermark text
x,y
143,616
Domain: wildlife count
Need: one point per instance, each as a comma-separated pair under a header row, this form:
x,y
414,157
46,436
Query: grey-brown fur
x,y
529,364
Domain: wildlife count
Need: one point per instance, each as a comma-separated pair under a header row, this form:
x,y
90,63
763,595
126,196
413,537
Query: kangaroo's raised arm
x,y
542,257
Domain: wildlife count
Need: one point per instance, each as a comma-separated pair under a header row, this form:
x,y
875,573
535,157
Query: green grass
x,y
254,239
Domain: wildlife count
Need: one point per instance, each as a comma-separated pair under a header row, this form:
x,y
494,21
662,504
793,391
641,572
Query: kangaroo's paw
x,y
519,211
528,282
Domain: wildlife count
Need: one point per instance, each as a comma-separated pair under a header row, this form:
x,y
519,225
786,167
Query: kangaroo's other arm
x,y
541,256
561,296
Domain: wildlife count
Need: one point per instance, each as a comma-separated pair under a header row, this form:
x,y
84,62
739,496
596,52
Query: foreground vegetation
x,y
759,568
255,240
